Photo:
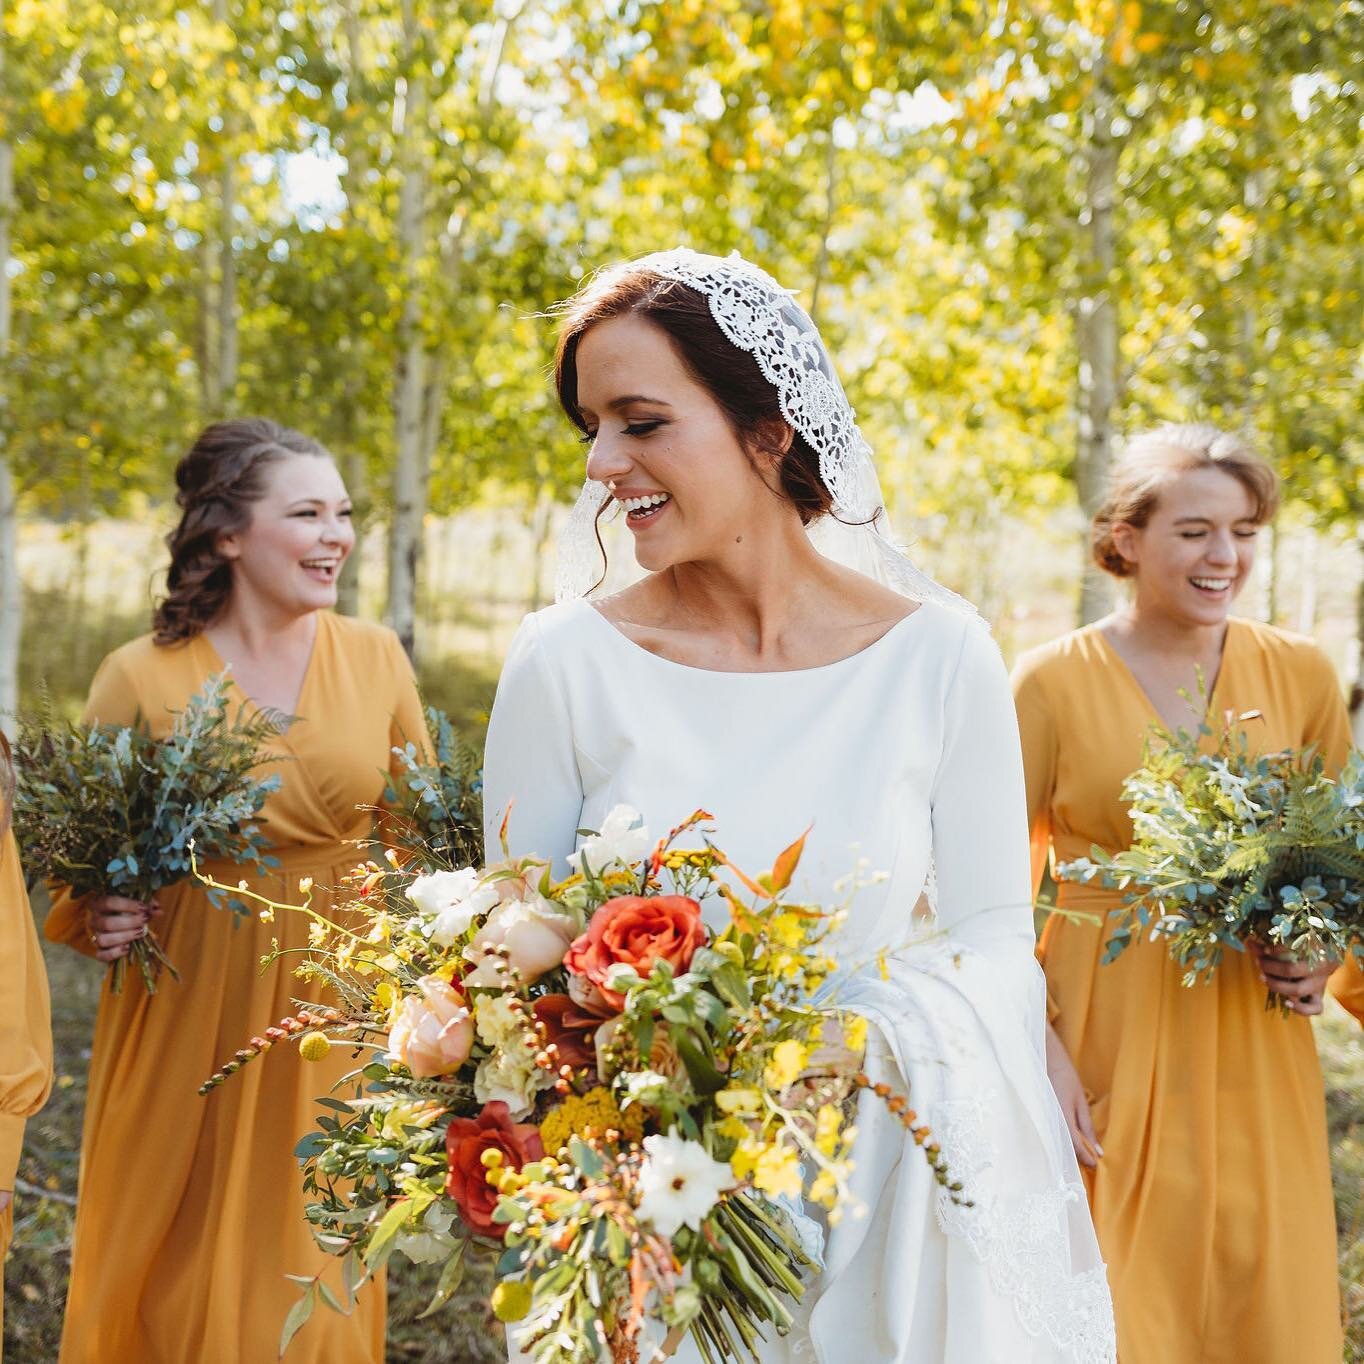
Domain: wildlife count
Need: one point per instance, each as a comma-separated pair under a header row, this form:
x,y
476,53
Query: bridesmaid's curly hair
x,y
216,483
1154,458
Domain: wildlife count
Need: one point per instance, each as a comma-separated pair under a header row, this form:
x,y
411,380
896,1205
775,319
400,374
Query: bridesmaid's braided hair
x,y
1152,459
216,483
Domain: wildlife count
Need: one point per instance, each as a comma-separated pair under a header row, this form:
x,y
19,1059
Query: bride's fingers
x,y
1085,1123
1084,1153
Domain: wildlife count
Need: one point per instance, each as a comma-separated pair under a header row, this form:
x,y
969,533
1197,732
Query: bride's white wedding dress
x,y
904,756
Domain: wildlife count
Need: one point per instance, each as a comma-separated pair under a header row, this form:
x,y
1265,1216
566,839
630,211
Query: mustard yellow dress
x,y
1212,1200
190,1209
25,1026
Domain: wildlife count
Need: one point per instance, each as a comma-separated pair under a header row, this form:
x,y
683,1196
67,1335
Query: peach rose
x,y
433,1034
636,931
533,934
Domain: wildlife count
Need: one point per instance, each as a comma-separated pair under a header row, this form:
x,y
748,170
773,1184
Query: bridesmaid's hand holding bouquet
x,y
113,813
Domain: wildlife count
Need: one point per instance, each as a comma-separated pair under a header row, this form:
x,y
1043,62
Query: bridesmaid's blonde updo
x,y
216,482
1153,460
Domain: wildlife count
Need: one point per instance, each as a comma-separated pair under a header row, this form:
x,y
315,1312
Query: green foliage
x,y
112,811
1230,846
434,806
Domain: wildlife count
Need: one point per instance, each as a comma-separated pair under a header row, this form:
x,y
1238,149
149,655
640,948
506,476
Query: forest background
x,y
1025,230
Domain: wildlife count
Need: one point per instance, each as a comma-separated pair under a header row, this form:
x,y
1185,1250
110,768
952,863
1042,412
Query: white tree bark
x,y
227,255
404,543
1097,335
11,590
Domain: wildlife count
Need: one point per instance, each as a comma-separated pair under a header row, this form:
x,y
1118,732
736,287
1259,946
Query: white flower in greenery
x,y
622,838
451,901
679,1183
434,1242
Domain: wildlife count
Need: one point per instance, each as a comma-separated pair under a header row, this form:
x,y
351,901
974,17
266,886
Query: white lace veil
x,y
758,316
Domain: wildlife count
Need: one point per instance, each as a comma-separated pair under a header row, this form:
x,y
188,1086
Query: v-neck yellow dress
x,y
1212,1200
190,1209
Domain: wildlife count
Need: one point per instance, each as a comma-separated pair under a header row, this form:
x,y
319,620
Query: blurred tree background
x,y
1025,229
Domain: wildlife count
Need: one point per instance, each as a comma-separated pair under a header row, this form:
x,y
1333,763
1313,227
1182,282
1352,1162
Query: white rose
x,y
622,838
451,901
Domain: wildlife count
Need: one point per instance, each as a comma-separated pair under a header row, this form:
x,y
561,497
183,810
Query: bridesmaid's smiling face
x,y
290,556
666,449
1196,551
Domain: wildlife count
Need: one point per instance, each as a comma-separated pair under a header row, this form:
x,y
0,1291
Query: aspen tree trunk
x,y
227,255
1097,335
357,170
404,545
11,590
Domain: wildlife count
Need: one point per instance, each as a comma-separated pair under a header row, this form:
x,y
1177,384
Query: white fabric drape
x,y
905,756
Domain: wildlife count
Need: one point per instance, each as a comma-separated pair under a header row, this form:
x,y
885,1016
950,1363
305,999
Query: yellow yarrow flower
x,y
788,1060
828,1126
855,1033
778,1172
589,1115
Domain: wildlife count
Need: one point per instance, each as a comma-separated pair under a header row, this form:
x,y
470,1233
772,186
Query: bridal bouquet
x,y
108,810
582,1079
1231,846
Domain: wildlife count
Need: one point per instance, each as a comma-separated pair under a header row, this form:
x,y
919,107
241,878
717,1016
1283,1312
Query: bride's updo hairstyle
x,y
217,482
731,376
1153,460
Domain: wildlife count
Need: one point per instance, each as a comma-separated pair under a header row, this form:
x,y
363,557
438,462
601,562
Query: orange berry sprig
x,y
286,1029
898,1104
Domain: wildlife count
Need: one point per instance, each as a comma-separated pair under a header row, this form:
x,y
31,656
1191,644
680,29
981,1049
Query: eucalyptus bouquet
x,y
433,806
1230,845
581,1079
109,810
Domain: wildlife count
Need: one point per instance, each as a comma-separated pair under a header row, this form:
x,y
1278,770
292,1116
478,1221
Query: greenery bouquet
x,y
433,805
108,810
1231,846
582,1080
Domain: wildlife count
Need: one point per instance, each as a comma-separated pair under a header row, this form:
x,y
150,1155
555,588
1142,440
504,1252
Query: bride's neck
x,y
759,591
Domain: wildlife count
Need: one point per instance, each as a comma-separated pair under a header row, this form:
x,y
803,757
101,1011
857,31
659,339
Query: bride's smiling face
x,y
665,447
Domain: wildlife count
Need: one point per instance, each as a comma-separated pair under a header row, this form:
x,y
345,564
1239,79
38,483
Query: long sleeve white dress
x,y
904,758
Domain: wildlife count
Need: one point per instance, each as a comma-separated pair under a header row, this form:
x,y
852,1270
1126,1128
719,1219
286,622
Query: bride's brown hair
x,y
220,477
730,375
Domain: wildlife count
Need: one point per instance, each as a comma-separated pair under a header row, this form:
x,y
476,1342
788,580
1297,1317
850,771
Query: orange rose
x,y
636,931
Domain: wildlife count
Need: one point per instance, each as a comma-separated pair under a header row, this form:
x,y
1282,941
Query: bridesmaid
x,y
191,1210
1198,1117
25,1018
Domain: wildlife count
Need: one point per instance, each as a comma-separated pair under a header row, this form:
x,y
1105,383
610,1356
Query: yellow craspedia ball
x,y
511,1300
314,1046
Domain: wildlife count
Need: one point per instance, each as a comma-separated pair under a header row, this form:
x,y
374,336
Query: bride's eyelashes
x,y
633,429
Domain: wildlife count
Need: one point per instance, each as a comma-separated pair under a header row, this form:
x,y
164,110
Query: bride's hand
x,y
1302,986
1070,1094
114,923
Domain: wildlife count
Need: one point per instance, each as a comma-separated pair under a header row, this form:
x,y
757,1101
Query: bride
x,y
779,687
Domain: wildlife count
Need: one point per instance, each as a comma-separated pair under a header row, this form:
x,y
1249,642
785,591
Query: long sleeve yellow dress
x,y
25,1026
191,1210
1212,1200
